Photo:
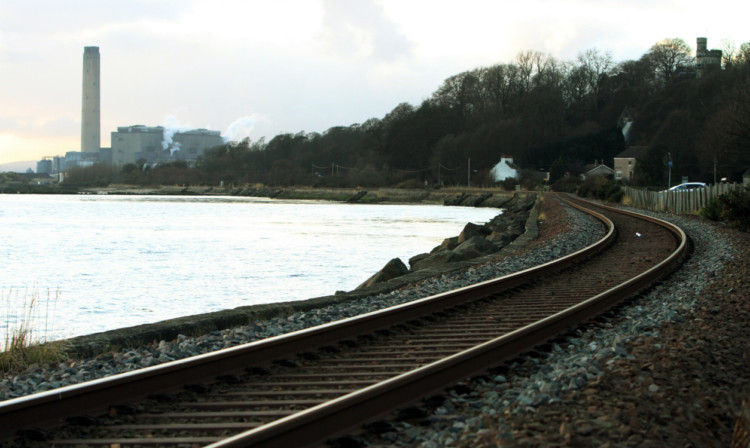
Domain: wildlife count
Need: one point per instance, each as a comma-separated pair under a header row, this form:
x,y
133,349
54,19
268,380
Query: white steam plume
x,y
241,128
171,126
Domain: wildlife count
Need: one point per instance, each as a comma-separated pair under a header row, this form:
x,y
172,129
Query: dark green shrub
x,y
735,208
599,187
567,184
611,192
712,210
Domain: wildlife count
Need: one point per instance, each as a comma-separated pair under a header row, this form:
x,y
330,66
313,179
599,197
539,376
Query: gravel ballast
x,y
666,370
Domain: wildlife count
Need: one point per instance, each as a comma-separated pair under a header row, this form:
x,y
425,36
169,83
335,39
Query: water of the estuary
x,y
95,263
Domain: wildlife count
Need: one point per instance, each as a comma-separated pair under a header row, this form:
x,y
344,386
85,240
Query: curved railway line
x,y
304,387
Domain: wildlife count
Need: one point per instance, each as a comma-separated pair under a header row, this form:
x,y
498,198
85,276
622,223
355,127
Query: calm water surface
x,y
116,261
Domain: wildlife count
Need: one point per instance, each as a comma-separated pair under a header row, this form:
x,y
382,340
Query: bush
x,y
601,188
712,210
97,175
567,184
611,192
732,207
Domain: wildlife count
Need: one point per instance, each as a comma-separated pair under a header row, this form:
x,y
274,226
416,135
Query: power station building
x,y
130,143
154,144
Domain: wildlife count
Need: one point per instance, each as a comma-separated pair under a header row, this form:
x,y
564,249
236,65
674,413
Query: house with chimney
x,y
626,161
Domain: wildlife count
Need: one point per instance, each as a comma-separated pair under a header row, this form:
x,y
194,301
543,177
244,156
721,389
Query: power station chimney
x,y
90,111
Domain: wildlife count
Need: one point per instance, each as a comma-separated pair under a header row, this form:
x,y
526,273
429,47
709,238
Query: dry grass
x,y
26,322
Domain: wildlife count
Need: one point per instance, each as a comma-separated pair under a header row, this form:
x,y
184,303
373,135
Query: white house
x,y
504,170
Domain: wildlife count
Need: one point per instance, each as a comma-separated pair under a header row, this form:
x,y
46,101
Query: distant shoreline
x,y
472,197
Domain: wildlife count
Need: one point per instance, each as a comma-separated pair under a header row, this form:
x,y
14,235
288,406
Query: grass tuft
x,y
26,323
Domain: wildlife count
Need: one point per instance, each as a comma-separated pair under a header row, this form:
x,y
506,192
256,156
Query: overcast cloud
x,y
253,68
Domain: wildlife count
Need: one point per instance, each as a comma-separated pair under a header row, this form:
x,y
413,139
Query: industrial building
x,y
154,144
130,144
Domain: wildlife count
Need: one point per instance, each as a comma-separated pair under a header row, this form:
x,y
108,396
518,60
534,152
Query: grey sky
x,y
258,68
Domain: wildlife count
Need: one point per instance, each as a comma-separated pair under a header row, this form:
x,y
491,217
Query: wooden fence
x,y
686,201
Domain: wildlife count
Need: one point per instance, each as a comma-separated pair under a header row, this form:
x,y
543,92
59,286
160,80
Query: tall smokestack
x,y
90,112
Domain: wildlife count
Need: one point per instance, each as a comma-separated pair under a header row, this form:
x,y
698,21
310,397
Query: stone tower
x,y
90,111
706,59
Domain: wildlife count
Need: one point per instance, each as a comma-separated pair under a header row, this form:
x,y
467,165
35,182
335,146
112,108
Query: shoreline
x,y
461,196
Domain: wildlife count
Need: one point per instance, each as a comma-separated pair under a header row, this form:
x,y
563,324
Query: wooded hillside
x,y
541,111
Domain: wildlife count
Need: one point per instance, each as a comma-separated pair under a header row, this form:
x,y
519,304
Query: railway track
x,y
302,388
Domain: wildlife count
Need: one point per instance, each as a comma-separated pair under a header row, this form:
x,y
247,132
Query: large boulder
x,y
502,238
496,201
456,200
475,200
437,259
447,244
474,247
392,269
471,230
417,258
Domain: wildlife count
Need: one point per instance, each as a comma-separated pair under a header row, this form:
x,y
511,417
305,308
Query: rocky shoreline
x,y
456,196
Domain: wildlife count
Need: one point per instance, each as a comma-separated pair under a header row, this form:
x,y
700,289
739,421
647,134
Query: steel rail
x,y
312,426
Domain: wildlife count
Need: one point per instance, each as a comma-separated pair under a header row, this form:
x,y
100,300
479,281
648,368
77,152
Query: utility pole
x,y
669,178
468,175
715,162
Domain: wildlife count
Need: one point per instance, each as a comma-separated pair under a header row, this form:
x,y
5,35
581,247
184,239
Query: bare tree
x,y
728,52
576,84
461,92
549,72
743,55
525,63
595,65
668,56
499,84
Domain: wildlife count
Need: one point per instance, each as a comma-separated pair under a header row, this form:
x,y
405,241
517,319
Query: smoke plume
x,y
172,126
240,128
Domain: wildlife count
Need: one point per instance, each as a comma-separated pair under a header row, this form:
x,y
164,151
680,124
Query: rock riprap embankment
x,y
474,241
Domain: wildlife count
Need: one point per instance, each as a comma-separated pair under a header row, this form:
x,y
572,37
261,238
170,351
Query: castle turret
x,y
706,59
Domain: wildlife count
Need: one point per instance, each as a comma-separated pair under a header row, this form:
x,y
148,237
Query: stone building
x,y
705,59
625,162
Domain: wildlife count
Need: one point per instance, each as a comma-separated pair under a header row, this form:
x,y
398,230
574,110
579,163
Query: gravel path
x,y
667,370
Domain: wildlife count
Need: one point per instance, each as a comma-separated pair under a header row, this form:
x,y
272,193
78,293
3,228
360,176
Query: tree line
x,y
548,114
